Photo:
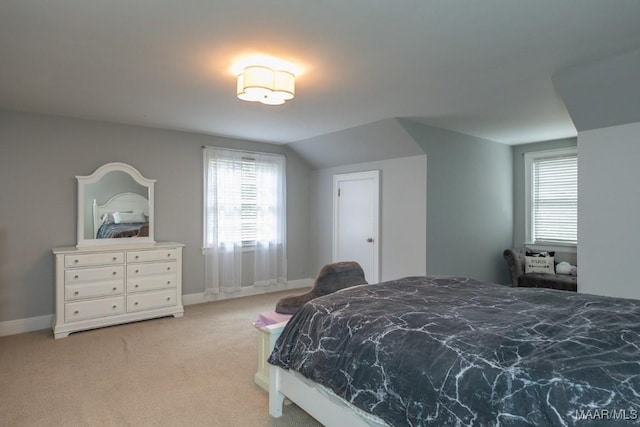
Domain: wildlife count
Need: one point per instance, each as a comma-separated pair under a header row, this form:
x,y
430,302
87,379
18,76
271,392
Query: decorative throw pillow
x,y
107,218
563,268
127,218
540,253
539,262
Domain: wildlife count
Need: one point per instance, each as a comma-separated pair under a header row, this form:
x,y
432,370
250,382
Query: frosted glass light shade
x,y
262,84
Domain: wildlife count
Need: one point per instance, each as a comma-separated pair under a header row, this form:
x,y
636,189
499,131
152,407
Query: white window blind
x,y
243,197
248,201
554,198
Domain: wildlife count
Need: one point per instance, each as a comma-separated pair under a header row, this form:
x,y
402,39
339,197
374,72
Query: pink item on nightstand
x,y
269,318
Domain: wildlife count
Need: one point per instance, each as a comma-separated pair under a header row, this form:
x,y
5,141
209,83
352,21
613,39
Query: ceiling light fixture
x,y
258,83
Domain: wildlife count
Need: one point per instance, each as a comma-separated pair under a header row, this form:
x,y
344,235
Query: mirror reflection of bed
x,y
115,207
122,216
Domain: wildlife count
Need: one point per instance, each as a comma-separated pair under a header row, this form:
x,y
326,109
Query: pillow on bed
x,y
107,218
539,263
128,217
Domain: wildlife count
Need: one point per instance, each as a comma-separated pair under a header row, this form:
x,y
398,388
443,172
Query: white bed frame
x,y
122,202
284,384
266,341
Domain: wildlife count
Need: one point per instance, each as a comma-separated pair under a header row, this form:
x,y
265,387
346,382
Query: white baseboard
x,y
200,297
19,326
30,324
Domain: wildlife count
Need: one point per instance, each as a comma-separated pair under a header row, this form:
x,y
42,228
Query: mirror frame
x,y
99,173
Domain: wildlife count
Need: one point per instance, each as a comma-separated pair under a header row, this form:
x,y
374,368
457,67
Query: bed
x,y
123,215
455,351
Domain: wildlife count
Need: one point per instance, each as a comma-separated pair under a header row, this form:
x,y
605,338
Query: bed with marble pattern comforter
x,y
117,231
455,351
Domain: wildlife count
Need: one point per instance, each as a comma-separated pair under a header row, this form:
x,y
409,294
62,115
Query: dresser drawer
x,y
87,260
152,255
139,270
149,300
149,283
83,310
91,290
86,275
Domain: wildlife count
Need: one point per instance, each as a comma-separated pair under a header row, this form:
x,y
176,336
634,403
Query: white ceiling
x,y
479,67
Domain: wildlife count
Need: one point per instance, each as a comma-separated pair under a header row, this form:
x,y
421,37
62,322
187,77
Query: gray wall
x,y
39,159
403,217
519,211
469,203
469,200
608,211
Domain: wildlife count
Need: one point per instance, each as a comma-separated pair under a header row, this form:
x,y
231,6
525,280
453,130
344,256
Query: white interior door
x,y
355,221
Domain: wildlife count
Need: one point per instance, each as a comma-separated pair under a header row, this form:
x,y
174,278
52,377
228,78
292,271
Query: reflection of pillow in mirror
x,y
107,217
126,217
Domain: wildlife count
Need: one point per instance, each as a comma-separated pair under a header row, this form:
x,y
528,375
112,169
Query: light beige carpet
x,y
192,371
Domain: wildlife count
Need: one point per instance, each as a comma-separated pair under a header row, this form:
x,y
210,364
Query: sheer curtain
x,y
270,267
244,220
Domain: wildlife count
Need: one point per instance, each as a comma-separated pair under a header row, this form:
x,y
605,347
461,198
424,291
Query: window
x,y
233,175
244,197
244,220
552,197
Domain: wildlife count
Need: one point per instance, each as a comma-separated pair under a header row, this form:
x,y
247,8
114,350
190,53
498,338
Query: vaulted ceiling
x,y
482,68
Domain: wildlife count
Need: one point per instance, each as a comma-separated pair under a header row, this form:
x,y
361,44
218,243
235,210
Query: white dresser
x,y
107,285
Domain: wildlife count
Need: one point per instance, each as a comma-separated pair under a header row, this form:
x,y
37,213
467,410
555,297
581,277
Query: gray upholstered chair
x,y
516,260
332,277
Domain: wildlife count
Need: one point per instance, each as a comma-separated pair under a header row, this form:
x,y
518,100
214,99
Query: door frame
x,y
373,175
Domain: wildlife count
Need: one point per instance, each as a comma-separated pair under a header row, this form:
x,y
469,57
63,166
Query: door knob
x,y
370,240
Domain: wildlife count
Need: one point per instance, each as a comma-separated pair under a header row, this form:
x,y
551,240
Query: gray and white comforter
x,y
455,351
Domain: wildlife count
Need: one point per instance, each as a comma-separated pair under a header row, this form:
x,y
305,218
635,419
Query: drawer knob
x,y
137,271
115,306
168,282
169,255
168,298
76,293
168,268
135,303
137,256
114,258
76,312
137,285
114,273
75,277
115,289
76,261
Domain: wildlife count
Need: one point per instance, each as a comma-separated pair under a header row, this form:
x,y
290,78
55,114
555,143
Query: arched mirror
x,y
115,206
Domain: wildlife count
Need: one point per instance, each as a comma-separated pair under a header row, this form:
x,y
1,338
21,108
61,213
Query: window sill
x,y
244,249
558,247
